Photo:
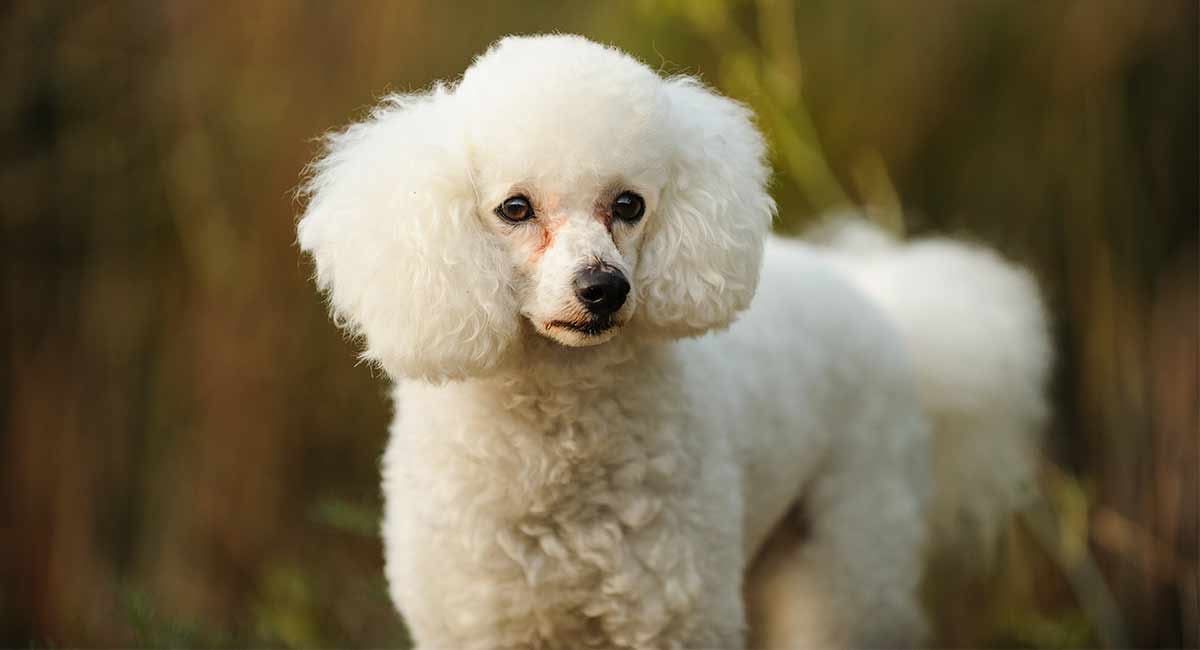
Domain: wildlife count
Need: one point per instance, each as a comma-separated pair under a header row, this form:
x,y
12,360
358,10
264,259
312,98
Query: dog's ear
x,y
700,262
391,223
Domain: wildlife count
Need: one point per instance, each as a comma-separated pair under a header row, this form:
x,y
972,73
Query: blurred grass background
x,y
188,453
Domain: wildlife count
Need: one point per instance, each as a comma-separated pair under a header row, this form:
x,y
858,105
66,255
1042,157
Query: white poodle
x,y
626,416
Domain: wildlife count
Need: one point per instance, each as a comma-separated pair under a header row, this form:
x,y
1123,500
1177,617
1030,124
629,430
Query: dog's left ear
x,y
700,261
392,225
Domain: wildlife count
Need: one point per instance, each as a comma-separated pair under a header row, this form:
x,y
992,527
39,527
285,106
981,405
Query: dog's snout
x,y
602,290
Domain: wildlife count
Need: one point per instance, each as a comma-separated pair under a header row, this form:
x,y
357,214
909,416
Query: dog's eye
x,y
515,209
628,207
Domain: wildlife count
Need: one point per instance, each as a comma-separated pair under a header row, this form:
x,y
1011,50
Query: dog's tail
x,y
978,337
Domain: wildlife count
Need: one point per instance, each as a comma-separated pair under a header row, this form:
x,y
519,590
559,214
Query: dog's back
x,y
978,336
899,390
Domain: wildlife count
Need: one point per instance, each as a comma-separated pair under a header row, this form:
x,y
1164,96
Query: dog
x,y
626,415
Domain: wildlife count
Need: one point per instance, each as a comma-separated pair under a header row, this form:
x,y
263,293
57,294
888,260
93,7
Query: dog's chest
x,y
579,536
604,560
558,513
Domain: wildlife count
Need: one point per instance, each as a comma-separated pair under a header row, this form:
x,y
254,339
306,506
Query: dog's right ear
x,y
391,223
699,264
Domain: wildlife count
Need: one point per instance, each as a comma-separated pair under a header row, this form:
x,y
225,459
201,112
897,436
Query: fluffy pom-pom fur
x,y
700,265
391,223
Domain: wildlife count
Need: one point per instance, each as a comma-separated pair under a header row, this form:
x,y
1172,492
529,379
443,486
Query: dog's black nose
x,y
602,290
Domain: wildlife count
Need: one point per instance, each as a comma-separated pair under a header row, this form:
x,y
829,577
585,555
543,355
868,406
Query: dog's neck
x,y
552,418
542,371
557,389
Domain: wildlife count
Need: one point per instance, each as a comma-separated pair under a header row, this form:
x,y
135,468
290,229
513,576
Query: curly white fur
x,y
627,486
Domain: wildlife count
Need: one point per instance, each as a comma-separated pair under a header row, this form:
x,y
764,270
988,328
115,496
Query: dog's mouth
x,y
590,327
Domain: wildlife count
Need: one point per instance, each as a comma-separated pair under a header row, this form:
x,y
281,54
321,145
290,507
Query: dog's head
x,y
561,183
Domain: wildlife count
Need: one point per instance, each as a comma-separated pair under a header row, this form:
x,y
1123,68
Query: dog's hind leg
x,y
844,572
784,604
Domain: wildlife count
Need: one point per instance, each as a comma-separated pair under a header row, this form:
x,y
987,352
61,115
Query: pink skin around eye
x,y
549,224
550,221
546,237
606,219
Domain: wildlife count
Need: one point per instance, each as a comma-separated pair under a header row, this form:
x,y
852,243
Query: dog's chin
x,y
579,334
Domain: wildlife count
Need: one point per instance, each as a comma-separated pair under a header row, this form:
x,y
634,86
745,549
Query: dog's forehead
x,y
518,65
557,106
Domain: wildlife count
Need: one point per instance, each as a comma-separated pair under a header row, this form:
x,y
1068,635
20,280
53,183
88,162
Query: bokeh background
x,y
189,452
